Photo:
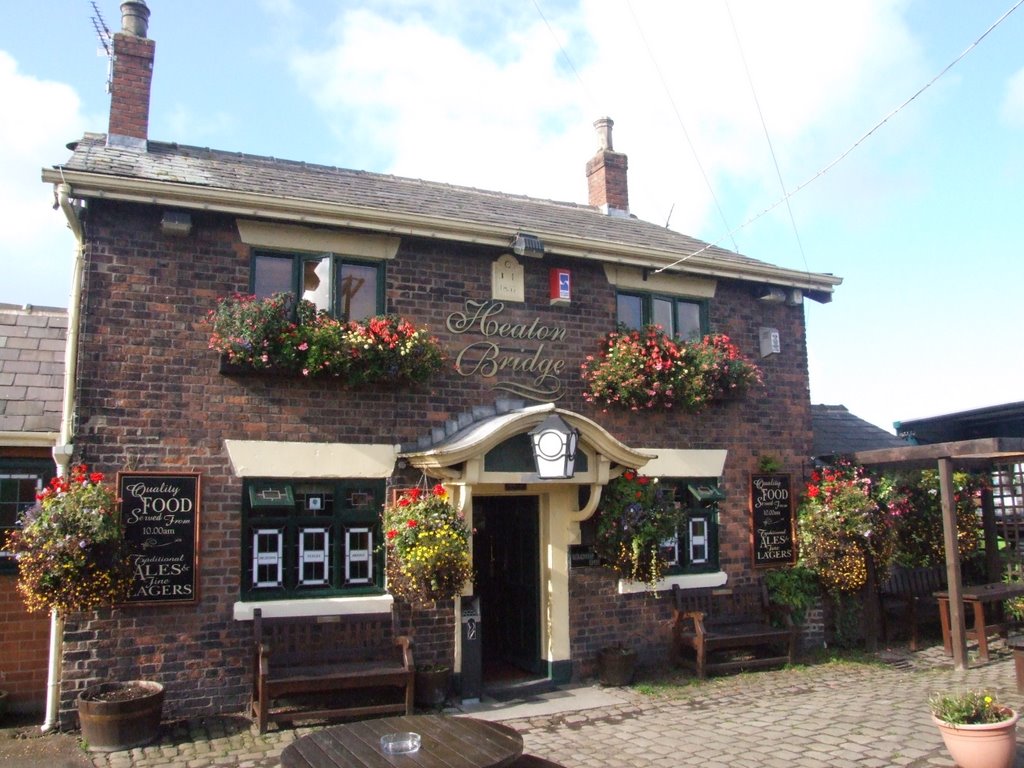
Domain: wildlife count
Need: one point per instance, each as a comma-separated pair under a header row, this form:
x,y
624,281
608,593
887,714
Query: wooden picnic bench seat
x,y
911,591
310,668
712,625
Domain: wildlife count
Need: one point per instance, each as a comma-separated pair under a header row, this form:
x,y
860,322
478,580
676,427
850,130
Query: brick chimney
x,y
131,74
606,174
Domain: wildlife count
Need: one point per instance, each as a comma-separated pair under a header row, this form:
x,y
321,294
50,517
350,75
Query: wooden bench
x,y
909,590
711,621
301,665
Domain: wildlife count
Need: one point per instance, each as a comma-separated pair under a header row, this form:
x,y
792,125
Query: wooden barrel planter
x,y
615,665
431,686
119,716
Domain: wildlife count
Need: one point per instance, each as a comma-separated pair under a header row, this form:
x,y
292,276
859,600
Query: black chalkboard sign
x,y
160,514
772,530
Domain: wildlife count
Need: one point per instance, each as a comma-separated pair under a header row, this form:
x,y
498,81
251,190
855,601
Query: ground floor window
x,y
695,546
311,538
20,480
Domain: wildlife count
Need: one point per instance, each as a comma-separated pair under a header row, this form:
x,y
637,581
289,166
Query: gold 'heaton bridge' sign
x,y
507,348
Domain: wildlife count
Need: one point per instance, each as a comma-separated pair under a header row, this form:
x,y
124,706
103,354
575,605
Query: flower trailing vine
x,y
634,517
648,368
427,545
277,334
70,546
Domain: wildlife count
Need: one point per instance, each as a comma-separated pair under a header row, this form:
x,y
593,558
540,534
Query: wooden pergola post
x,y
957,627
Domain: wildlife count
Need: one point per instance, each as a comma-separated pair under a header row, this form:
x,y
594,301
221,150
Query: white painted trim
x,y
669,283
293,238
685,581
270,458
675,462
29,439
326,606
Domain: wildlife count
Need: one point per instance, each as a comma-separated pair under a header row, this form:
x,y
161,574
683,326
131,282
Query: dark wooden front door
x,y
506,552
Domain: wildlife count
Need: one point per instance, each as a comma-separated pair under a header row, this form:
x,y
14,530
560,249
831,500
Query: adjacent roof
x,y
192,177
837,432
31,369
1005,420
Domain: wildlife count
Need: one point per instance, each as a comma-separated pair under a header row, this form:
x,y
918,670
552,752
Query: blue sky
x,y
923,220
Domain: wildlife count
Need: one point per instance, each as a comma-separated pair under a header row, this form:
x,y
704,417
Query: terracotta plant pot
x,y
118,716
986,745
615,666
431,686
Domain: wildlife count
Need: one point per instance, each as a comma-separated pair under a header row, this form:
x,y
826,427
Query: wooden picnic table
x,y
976,598
447,742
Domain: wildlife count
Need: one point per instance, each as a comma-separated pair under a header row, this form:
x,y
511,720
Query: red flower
x,y
411,523
392,533
629,474
404,502
643,480
440,491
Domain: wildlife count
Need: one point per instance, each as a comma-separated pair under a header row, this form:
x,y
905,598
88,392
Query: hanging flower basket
x,y
638,370
70,547
427,545
635,515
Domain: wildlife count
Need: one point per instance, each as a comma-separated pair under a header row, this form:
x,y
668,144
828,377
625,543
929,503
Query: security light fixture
x,y
554,448
527,245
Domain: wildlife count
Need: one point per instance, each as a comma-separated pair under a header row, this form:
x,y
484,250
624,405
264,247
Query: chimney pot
x,y
604,132
135,18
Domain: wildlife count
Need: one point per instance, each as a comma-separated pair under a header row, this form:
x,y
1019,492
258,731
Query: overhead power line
x,y
857,143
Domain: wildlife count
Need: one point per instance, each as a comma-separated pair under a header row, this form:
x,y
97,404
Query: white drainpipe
x,y
64,448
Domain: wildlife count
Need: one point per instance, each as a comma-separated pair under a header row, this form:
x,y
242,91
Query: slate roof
x,y
203,169
31,368
1004,420
837,432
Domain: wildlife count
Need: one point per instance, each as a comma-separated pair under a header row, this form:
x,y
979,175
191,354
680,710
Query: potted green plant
x,y
428,560
634,517
72,557
978,731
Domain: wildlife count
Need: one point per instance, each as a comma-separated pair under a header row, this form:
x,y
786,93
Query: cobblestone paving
x,y
835,716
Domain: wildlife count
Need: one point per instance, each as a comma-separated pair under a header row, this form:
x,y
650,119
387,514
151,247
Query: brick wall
x,y
151,397
24,650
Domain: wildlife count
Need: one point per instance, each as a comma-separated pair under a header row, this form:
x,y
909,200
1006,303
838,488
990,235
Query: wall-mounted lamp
x,y
527,245
554,448
794,297
176,223
770,294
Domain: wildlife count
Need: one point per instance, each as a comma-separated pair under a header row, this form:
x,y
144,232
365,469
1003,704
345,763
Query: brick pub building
x,y
166,230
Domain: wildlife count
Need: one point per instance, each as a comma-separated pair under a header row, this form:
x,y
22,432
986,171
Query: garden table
x,y
447,742
976,597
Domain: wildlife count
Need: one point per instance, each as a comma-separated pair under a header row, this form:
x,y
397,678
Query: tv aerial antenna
x,y
106,41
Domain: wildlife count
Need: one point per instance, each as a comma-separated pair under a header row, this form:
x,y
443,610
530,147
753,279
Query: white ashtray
x,y
399,743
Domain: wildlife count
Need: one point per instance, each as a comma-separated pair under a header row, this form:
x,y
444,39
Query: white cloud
x,y
34,245
1012,109
511,115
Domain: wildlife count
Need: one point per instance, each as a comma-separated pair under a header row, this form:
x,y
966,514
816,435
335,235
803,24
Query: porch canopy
x,y
979,453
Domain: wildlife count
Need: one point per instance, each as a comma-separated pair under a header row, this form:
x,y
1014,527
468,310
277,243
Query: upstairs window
x,y
346,288
311,538
684,319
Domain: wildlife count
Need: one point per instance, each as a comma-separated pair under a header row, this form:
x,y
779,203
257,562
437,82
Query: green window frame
x,y
695,547
311,538
347,288
684,318
20,480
